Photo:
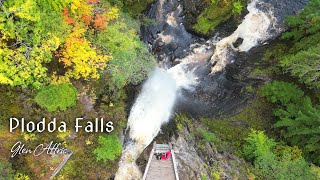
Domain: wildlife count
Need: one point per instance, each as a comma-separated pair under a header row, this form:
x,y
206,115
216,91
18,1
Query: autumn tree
x,y
27,42
36,32
80,58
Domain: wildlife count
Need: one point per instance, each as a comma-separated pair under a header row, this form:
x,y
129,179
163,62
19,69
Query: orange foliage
x,y
100,22
92,1
86,19
82,11
67,17
80,57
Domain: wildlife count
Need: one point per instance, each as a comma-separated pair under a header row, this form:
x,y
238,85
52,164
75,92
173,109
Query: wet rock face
x,y
238,42
220,93
189,164
192,9
216,94
168,37
196,160
170,41
224,92
282,8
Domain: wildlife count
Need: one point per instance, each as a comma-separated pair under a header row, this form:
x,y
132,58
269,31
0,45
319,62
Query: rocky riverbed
x,y
219,94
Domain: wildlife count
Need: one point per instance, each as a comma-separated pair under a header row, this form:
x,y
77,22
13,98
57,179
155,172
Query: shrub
x,y
282,92
237,7
297,115
303,65
258,144
57,97
181,121
131,61
109,148
268,165
216,13
136,8
206,135
6,171
21,176
305,23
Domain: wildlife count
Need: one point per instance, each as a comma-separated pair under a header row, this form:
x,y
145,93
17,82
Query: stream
x,y
192,74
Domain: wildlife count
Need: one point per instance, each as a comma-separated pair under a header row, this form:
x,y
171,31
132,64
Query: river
x,y
191,73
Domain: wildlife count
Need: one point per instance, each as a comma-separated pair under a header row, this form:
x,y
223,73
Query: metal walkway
x,y
161,169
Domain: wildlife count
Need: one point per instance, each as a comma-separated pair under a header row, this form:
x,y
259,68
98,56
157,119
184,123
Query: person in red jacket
x,y
166,155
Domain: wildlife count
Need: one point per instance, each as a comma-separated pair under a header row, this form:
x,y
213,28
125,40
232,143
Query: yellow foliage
x,y
63,135
27,11
56,80
20,69
79,8
62,177
38,43
80,58
20,176
88,142
29,136
316,170
113,13
5,80
51,44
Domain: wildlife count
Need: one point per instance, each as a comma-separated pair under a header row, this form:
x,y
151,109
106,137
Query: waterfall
x,y
255,28
151,110
154,105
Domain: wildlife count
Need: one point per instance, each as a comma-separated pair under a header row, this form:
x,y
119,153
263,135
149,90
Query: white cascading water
x,y
155,103
152,108
254,28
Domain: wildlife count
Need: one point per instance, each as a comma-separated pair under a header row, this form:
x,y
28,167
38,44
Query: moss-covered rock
x,y
135,8
217,12
191,10
203,154
256,115
204,16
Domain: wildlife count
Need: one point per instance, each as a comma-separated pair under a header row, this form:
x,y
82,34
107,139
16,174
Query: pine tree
x,y
297,116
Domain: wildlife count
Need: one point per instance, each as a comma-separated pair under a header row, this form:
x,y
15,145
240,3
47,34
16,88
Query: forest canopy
x,y
67,59
53,42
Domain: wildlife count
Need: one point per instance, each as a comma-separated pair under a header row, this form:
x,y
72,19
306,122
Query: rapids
x,y
183,66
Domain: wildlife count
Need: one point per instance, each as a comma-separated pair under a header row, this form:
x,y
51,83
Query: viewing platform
x,y
159,169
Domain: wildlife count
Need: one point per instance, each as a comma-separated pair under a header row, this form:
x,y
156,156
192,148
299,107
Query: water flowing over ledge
x,y
254,29
151,110
154,105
